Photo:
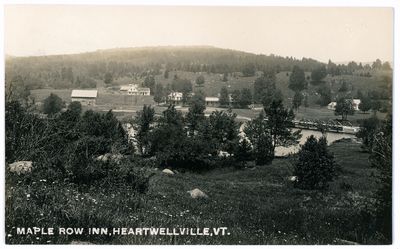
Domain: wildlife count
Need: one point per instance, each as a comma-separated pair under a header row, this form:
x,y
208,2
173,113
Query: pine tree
x,y
224,97
242,153
315,166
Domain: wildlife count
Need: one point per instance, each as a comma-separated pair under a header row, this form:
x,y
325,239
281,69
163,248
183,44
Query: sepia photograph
x,y
198,125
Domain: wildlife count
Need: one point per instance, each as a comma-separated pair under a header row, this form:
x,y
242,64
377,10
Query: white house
x,y
355,103
85,97
134,89
175,96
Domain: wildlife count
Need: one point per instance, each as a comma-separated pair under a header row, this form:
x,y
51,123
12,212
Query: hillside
x,y
45,74
258,205
62,71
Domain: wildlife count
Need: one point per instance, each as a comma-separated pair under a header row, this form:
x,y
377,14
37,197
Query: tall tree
x,y
315,166
224,97
344,87
265,87
225,77
200,81
344,107
368,128
242,152
318,74
375,105
150,82
195,116
108,78
168,136
325,95
366,104
297,99
297,80
245,98
236,98
143,125
159,93
257,132
225,130
377,64
249,70
386,66
279,124
166,74
52,104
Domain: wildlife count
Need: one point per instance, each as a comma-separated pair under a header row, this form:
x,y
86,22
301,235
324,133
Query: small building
x,y
212,101
175,97
355,103
134,89
85,97
124,89
332,106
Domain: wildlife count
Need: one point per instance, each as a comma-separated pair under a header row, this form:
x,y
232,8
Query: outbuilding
x,y
85,97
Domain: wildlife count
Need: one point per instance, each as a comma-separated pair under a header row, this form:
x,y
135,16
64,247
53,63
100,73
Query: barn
x,y
85,97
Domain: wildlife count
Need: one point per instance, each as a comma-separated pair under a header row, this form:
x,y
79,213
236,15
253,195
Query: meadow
x,y
126,106
258,205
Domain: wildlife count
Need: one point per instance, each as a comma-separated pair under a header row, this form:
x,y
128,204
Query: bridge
x,y
327,126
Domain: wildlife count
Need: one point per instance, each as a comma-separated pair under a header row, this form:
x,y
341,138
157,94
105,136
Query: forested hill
x,y
127,61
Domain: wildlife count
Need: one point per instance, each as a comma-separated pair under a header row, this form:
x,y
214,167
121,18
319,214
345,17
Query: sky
x,y
361,34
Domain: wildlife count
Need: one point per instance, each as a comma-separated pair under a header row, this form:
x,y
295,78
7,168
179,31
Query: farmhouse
x,y
212,101
85,97
355,103
134,89
175,97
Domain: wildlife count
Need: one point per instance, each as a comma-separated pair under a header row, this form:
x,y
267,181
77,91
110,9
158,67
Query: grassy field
x,y
258,205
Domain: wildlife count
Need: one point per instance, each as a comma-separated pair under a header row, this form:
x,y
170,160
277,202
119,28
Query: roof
x,y
212,99
175,94
143,89
124,88
84,94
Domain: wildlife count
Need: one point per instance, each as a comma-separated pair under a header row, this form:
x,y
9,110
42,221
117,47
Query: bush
x,y
315,166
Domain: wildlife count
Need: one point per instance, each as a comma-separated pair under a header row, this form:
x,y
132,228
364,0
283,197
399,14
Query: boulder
x,y
197,193
21,167
293,178
168,172
103,158
116,158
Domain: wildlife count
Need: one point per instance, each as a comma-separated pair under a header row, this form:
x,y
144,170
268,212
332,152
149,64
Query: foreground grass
x,y
258,206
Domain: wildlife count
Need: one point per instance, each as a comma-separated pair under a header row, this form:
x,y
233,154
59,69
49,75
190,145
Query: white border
x,y
327,3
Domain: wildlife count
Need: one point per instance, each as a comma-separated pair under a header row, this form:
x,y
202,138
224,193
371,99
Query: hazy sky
x,y
342,34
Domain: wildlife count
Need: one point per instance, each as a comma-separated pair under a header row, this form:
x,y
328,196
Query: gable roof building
x,y
134,89
85,97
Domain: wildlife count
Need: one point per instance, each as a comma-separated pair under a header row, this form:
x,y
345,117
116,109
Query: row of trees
x,y
237,98
201,138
